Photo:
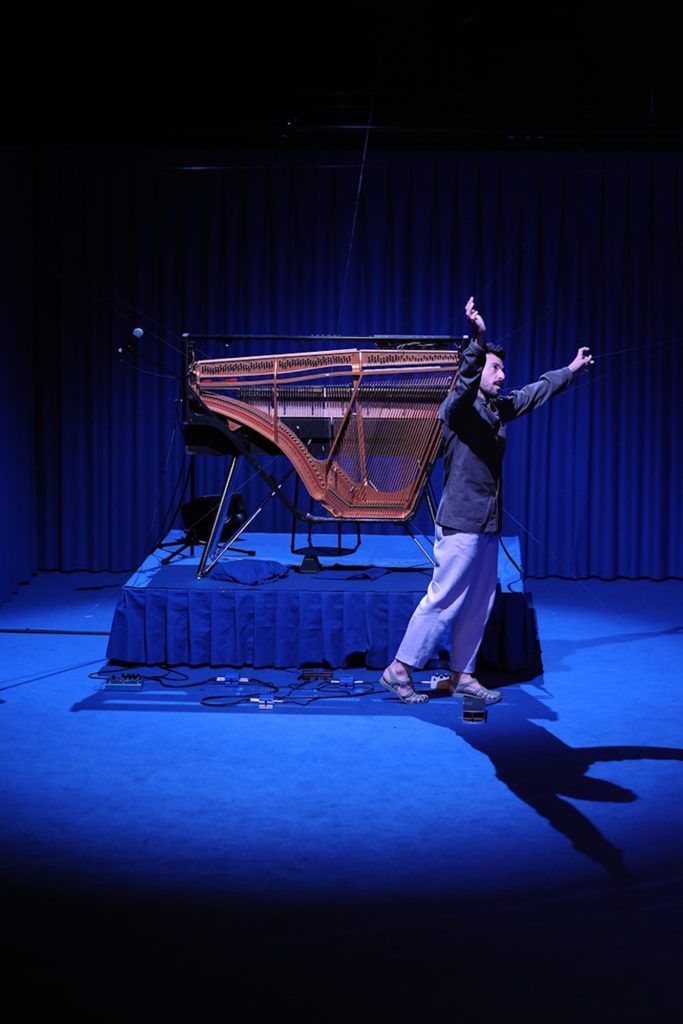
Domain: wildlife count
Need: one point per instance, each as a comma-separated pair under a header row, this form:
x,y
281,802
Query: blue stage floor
x,y
349,857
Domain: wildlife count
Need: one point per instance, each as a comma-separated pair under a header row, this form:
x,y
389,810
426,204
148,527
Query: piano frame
x,y
219,418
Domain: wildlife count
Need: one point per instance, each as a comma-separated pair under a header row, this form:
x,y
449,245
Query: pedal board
x,y
125,681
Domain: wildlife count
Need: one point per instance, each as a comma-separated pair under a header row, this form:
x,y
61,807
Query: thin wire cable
x,y
354,222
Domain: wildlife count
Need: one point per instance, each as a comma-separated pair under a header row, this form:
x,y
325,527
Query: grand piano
x,y
358,425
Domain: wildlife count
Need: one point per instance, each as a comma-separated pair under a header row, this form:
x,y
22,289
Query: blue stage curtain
x,y
18,554
560,250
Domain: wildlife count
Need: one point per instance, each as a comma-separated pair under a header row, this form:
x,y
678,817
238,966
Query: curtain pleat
x,y
19,518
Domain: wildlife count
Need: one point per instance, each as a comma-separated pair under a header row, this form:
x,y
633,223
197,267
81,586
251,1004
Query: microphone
x,y
130,346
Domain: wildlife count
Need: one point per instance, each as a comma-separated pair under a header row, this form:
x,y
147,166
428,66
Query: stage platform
x,y
263,610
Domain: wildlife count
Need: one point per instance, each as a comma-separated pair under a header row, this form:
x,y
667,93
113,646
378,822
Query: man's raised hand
x,y
475,317
581,361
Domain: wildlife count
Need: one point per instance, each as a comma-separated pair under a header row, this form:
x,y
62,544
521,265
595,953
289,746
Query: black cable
x,y
176,500
260,690
520,578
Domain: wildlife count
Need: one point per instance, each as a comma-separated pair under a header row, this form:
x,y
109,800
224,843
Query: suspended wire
x,y
354,221
569,574
108,299
160,375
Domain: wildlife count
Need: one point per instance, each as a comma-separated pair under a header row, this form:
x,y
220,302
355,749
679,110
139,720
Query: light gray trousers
x,y
459,598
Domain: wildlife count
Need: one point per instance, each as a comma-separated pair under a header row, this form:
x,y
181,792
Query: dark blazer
x,y
474,436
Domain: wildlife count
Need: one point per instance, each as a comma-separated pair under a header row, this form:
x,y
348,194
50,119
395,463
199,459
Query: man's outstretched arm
x,y
551,383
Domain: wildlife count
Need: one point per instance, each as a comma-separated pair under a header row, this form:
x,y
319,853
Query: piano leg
x,y
431,500
210,555
219,522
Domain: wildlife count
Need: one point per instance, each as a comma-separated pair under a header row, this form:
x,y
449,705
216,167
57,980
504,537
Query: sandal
x,y
393,684
473,688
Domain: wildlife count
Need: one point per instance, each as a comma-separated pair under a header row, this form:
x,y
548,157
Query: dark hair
x,y
495,350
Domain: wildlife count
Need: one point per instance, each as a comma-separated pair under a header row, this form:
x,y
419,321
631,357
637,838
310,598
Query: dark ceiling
x,y
428,74
403,74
